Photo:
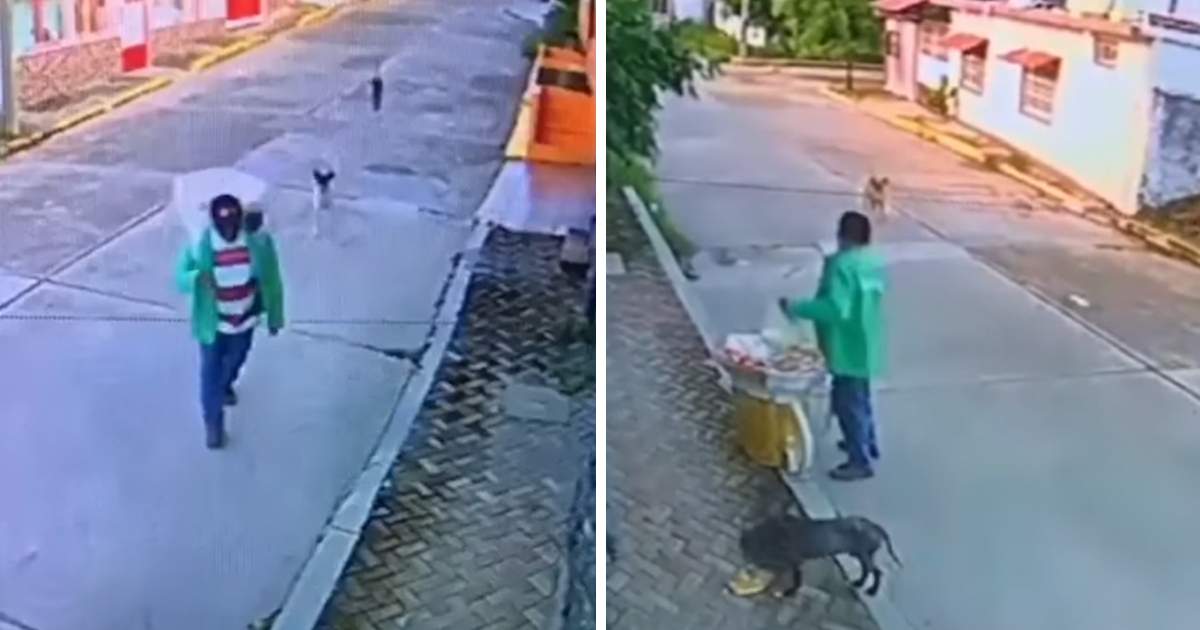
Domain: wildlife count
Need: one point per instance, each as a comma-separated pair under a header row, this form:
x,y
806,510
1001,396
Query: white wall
x,y
1100,127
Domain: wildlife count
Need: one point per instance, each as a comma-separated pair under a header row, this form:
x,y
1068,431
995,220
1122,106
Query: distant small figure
x,y
322,192
876,196
377,89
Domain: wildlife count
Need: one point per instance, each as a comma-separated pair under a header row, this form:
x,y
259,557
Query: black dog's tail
x,y
887,542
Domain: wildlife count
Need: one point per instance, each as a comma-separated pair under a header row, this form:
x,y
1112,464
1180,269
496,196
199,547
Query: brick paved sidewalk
x,y
679,492
483,505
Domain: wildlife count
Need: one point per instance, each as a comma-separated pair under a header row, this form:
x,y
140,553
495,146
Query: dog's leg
x,y
862,574
876,574
796,581
785,583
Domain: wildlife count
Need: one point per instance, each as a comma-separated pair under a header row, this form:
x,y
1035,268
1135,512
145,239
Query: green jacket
x,y
198,258
847,313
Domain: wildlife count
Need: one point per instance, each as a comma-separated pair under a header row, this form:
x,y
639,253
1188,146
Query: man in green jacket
x,y
847,315
231,275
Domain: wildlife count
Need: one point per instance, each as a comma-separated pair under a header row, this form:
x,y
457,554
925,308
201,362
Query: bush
x,y
707,41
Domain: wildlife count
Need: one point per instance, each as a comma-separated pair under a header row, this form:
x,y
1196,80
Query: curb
x,y
813,499
310,593
316,17
78,118
1160,241
803,64
226,53
521,136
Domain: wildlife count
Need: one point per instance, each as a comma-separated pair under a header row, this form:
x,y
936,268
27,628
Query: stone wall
x,y
1172,171
55,74
174,41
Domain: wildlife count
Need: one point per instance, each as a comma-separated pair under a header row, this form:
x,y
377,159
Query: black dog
x,y
783,543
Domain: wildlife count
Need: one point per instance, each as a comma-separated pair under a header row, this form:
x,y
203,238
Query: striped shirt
x,y
236,285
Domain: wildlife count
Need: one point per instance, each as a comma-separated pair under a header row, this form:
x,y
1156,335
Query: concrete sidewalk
x,y
113,516
1038,471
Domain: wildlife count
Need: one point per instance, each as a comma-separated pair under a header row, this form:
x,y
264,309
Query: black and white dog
x,y
322,192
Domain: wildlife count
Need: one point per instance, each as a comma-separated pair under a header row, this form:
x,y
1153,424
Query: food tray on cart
x,y
760,365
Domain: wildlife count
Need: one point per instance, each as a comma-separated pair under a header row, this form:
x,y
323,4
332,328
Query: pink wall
x,y
901,69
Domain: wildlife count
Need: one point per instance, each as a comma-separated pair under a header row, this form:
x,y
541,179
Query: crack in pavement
x,y
7,619
81,255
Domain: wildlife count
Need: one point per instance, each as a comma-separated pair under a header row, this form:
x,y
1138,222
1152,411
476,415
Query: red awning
x,y
964,42
1032,59
898,6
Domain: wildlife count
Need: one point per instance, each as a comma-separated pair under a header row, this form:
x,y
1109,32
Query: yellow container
x,y
767,431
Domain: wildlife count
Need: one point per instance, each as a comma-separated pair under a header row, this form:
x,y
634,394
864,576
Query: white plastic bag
x,y
779,332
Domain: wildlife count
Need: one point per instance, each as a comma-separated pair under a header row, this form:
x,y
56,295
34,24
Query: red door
x,y
135,36
243,9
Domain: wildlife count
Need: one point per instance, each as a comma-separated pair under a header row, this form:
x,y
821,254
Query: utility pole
x,y
745,29
8,72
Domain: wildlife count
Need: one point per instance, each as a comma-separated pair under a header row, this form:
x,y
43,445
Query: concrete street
x,y
1040,423
113,516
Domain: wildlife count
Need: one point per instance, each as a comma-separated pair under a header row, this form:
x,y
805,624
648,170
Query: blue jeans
x,y
220,363
850,399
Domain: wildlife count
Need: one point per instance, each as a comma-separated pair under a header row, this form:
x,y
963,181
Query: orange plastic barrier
x,y
557,124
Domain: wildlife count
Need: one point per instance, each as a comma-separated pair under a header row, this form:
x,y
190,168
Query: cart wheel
x,y
798,452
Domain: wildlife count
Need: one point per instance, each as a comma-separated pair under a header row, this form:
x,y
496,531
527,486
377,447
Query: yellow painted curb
x,y
78,118
227,52
1164,242
123,98
517,147
21,144
316,17
135,93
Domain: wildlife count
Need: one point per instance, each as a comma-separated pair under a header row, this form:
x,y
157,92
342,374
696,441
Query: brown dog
x,y
876,196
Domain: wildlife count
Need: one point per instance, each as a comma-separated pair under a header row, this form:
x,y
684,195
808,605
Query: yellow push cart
x,y
773,400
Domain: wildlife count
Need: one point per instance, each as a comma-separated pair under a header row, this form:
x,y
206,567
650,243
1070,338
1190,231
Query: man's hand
x,y
785,306
273,330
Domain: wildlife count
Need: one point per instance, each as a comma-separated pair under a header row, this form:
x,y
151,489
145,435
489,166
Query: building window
x,y
973,64
892,44
1037,93
166,13
932,34
1104,51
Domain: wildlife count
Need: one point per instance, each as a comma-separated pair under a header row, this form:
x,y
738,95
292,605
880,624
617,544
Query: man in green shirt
x,y
232,277
847,315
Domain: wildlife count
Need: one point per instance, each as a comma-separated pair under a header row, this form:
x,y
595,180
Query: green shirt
x,y
197,259
847,313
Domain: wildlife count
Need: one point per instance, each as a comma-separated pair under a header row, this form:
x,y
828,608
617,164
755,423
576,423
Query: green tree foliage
x,y
845,30
841,30
643,60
